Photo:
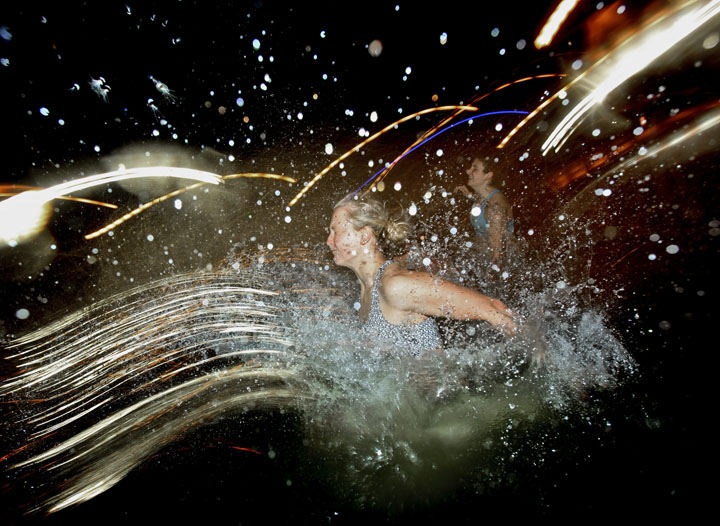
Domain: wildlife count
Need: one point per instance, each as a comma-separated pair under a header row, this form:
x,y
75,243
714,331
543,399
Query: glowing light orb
x,y
23,216
375,48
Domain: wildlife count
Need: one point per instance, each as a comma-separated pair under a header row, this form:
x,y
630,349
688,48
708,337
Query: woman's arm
x,y
422,293
498,218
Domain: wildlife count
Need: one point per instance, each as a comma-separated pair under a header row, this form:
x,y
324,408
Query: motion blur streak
x,y
177,192
26,214
618,65
632,56
372,138
551,27
698,118
380,175
695,130
442,123
7,190
208,331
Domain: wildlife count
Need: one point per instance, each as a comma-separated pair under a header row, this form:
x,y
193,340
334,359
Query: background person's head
x,y
480,173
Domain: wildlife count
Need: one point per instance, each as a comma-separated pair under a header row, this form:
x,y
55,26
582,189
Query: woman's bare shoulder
x,y
400,280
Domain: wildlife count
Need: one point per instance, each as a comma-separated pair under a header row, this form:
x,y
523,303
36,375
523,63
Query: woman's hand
x,y
463,189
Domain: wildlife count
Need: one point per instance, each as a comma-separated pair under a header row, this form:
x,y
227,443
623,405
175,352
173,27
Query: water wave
x,y
100,391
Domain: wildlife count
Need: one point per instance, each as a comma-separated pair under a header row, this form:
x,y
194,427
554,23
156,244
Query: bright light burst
x,y
24,215
629,58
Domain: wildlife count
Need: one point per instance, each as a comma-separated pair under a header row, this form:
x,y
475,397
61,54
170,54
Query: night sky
x,y
267,86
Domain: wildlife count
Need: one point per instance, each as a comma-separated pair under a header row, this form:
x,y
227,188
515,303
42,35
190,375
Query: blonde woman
x,y
398,305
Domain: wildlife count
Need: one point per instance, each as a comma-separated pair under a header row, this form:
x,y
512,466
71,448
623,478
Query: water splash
x,y
102,390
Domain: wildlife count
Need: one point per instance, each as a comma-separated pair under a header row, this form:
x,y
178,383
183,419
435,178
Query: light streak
x,y
578,168
631,57
618,65
432,137
138,210
249,450
526,119
252,175
551,27
25,214
7,190
704,124
106,388
357,148
448,119
113,364
177,192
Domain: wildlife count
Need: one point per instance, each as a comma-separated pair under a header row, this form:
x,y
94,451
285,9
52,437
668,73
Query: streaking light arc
x,y
25,214
438,133
552,26
451,117
177,192
370,139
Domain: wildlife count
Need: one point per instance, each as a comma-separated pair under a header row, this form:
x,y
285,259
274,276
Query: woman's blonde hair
x,y
394,228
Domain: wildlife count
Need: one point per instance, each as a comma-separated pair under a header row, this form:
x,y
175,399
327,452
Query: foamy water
x,y
104,389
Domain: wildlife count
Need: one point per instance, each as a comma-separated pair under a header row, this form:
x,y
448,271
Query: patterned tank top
x,y
479,222
416,338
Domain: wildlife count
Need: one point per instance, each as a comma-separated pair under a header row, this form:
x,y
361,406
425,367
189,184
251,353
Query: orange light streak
x,y
579,78
6,190
579,169
554,21
526,119
246,449
432,130
177,192
370,139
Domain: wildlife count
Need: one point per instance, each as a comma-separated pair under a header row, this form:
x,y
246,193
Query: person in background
x,y
491,214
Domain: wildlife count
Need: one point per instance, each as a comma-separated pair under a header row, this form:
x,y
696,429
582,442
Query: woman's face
x,y
345,241
477,174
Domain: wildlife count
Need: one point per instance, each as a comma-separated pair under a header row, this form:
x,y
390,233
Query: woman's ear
x,y
366,232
